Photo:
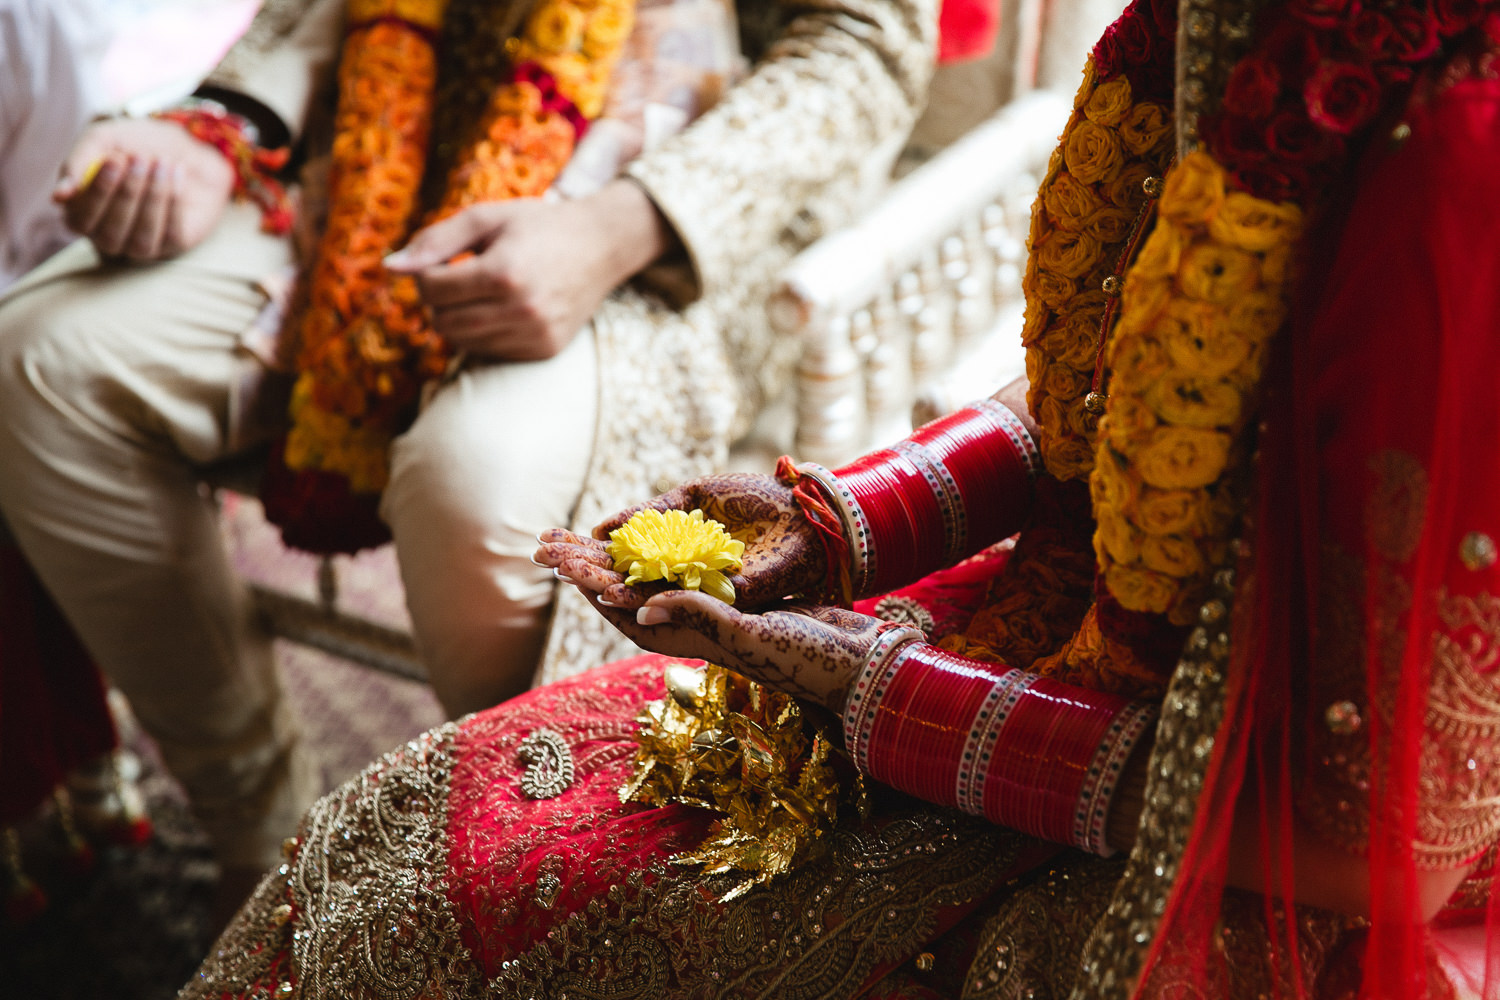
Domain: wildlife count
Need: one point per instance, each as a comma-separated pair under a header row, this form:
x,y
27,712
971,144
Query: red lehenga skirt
x,y
433,874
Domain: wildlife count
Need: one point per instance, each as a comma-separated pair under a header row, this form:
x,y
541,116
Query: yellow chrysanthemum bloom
x,y
688,549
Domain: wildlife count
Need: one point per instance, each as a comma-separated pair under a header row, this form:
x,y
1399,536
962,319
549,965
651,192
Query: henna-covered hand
x,y
783,555
811,652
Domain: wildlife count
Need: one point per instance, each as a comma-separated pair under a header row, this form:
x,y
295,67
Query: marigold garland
x,y
1090,198
366,346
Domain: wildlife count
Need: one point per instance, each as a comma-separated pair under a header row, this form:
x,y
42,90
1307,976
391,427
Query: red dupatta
x,y
1363,707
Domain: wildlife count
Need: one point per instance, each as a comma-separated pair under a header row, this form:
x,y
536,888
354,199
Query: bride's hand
x,y
811,652
783,555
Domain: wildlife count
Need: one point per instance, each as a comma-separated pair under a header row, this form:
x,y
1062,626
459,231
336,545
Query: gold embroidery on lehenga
x,y
1241,964
370,917
1460,783
1458,806
1031,947
821,931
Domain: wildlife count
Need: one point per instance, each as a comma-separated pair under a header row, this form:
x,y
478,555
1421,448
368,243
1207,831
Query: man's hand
x,y
143,189
538,269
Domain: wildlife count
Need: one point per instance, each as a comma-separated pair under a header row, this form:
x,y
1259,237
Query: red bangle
x,y
956,485
254,168
1031,753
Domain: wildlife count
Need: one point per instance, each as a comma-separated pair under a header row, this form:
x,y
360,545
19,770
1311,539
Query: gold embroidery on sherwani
x,y
820,931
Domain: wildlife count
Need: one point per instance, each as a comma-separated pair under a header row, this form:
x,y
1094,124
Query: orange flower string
x,y
366,345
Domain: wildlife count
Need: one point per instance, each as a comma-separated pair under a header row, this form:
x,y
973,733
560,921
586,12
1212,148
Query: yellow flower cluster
x,y
1089,202
424,13
578,42
677,547
1201,304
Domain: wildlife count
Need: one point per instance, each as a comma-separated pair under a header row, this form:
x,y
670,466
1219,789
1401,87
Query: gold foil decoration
x,y
721,742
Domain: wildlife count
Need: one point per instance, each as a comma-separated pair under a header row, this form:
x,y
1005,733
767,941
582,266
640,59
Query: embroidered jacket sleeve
x,y
1398,399
284,57
842,80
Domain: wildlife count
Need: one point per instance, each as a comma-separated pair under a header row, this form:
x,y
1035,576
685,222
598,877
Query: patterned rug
x,y
136,926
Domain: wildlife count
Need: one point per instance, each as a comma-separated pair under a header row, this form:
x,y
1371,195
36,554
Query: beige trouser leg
x,y
115,382
499,454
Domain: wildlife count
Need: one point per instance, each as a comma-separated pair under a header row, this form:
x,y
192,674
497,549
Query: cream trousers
x,y
120,385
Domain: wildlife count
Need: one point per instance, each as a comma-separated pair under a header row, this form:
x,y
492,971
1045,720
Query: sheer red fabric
x,y
1364,709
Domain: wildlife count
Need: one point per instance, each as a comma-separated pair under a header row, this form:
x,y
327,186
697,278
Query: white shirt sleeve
x,y
50,53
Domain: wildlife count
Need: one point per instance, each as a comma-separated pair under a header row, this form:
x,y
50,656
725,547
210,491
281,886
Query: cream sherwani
x,y
119,385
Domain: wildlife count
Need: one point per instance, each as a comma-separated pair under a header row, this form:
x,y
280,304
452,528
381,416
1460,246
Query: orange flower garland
x,y
1079,227
366,346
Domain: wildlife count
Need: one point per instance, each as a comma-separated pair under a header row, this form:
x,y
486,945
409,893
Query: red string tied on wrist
x,y
255,168
838,586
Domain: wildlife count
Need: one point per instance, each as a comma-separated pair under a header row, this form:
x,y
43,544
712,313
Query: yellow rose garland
x,y
1079,227
1200,305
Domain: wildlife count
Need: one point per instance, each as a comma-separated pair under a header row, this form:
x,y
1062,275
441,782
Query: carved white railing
x,y
920,298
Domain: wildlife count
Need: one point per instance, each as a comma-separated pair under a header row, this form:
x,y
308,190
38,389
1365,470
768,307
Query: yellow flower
x,y
1068,457
1090,78
1254,224
1169,512
1052,289
427,13
556,27
1161,254
1109,224
1116,538
1034,328
1093,153
1183,457
1194,190
1127,418
1109,103
1199,350
1070,202
1073,340
1144,299
1211,272
1064,382
679,548
1190,401
608,28
1052,416
1171,555
1145,126
1126,190
1255,316
1070,254
1136,362
1111,485
1140,589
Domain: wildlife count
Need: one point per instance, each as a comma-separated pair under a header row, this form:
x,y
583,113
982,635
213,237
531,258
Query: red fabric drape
x,y
53,714
1372,589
